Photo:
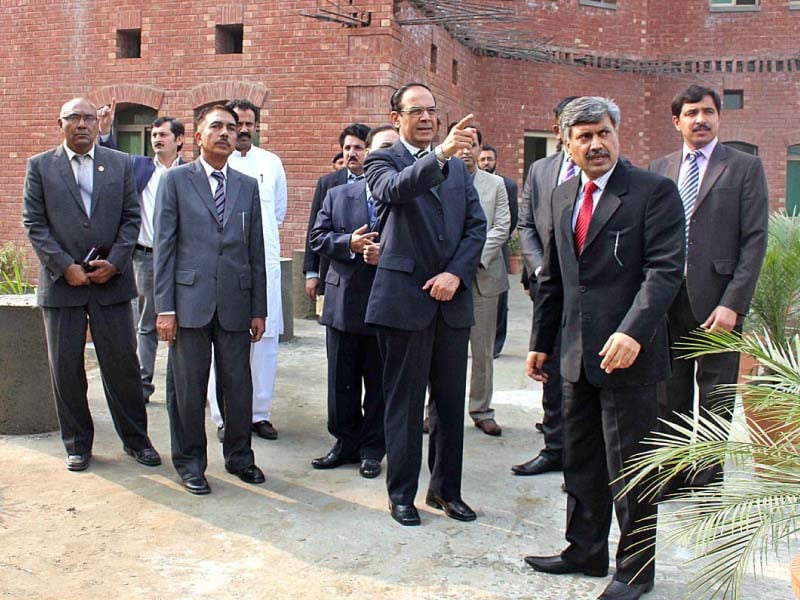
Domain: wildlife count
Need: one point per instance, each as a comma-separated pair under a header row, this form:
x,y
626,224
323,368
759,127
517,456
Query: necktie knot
x,y
590,189
219,176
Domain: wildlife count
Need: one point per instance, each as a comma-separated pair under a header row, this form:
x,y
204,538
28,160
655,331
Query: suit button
x,y
582,289
219,229
441,237
220,252
85,225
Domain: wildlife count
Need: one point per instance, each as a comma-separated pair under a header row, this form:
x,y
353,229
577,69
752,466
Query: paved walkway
x,y
120,530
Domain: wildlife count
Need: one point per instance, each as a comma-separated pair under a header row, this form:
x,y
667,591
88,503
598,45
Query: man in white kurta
x,y
267,169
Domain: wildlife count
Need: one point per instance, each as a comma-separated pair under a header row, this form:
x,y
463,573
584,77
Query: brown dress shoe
x,y
489,427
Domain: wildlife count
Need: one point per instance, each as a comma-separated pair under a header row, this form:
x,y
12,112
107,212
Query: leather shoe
x,y
333,459
146,456
221,433
78,462
559,566
537,465
405,514
489,427
264,429
251,474
455,509
370,468
617,590
196,484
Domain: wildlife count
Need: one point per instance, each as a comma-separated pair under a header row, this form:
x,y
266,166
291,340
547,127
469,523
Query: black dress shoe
x,y
251,474
264,429
370,468
537,465
333,459
405,514
558,566
455,509
78,462
196,484
617,590
146,456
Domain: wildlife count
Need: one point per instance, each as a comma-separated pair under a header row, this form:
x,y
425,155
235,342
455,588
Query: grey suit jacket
x,y
492,277
203,266
534,214
61,233
727,230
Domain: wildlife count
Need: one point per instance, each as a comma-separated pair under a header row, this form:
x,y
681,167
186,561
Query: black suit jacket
x,y
61,233
727,230
313,261
349,278
430,221
625,279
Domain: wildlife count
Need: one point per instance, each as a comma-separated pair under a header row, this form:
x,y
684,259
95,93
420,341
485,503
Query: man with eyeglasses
x,y
432,230
81,213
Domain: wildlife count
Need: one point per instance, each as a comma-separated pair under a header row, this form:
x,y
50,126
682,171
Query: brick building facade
x,y
312,76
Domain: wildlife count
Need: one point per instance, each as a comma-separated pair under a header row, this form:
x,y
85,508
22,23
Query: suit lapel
x,y
553,171
608,203
61,159
673,166
233,184
716,165
202,187
99,177
564,206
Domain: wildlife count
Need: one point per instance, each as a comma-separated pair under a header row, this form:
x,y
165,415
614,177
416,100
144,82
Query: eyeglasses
x,y
416,111
75,118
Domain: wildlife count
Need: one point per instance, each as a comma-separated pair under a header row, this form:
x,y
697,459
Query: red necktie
x,y
584,216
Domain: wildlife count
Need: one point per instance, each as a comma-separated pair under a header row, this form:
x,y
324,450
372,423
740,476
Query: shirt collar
x,y
71,152
705,150
413,150
601,181
209,169
160,165
352,176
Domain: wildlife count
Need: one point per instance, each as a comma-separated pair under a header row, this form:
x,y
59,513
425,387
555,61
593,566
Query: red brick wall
x,y
314,77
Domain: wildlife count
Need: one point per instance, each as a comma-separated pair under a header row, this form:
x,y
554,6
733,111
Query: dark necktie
x,y
85,183
421,153
219,194
689,187
584,216
373,217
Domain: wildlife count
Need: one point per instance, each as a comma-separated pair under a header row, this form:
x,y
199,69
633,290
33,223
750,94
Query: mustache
x,y
243,134
701,127
596,153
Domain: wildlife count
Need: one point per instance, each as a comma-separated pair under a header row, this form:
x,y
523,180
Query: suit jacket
x,y
513,207
625,279
430,221
727,230
313,261
534,217
203,266
349,278
492,276
61,233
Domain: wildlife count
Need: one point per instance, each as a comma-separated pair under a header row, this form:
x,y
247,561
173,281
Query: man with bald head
x,y
81,213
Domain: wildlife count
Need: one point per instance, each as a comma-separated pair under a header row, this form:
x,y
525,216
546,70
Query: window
x,y
793,180
600,3
129,43
743,147
228,39
434,57
537,145
794,4
725,5
132,124
455,72
732,99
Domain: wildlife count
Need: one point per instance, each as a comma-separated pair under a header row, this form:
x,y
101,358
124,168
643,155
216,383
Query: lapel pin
x,y
101,168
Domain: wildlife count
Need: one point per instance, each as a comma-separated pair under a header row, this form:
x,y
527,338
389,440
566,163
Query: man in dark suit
x,y
543,177
210,286
725,199
432,231
353,141
166,138
614,256
345,226
487,161
78,197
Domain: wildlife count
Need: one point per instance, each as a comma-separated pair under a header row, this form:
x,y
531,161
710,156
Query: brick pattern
x,y
313,77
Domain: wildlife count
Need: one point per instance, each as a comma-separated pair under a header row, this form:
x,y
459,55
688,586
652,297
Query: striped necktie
x,y
219,194
689,186
569,172
421,153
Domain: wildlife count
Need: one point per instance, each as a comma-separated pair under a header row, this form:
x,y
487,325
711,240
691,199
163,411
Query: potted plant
x,y
514,255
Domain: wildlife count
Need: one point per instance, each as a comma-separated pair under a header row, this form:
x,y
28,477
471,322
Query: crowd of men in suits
x,y
406,243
